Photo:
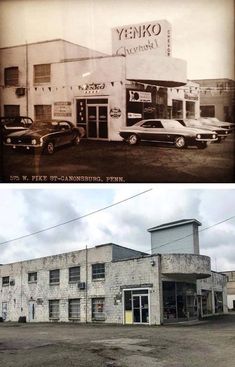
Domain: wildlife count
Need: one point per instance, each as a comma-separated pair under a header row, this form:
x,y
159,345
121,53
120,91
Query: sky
x,y
26,210
203,30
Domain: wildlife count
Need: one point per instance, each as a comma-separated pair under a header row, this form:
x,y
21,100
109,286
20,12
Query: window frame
x,y
94,303
35,278
9,80
57,281
78,312
51,311
98,274
41,76
5,284
72,278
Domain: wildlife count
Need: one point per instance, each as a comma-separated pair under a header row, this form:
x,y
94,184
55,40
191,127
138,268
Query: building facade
x,y
230,289
102,93
217,98
112,284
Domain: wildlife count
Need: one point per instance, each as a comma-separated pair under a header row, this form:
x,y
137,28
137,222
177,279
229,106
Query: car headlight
x,y
34,142
198,136
8,140
214,136
226,132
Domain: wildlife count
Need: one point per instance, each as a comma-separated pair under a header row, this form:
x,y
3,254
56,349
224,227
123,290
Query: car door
x,y
66,133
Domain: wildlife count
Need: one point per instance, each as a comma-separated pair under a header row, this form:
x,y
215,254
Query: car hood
x,y
35,133
198,130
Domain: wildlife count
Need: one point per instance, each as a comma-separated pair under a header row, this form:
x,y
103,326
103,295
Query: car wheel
x,y
49,148
202,145
133,139
76,140
180,142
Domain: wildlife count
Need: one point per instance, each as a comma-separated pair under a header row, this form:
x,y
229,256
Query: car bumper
x,y
27,146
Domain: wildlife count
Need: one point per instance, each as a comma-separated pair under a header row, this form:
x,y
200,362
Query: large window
x,y
54,309
218,302
74,274
54,277
42,112
74,309
5,281
11,110
98,309
42,73
11,76
98,271
177,109
207,111
206,302
32,277
179,300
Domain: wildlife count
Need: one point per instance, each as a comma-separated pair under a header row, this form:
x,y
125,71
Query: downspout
x,y
27,79
86,282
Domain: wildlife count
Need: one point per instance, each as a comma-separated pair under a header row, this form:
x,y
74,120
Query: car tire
x,y
77,140
202,145
180,142
49,148
132,139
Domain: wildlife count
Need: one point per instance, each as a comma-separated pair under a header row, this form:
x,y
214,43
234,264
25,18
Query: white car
x,y
167,131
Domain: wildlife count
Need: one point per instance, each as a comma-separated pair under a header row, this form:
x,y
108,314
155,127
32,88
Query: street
x,y
116,162
201,343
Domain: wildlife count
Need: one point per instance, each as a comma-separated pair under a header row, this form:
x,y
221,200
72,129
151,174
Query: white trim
x,y
123,306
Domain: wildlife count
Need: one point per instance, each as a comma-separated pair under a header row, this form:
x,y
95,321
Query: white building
x,y
61,80
112,284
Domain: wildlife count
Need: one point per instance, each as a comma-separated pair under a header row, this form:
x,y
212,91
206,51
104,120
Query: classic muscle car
x,y
18,123
222,133
167,131
46,135
212,121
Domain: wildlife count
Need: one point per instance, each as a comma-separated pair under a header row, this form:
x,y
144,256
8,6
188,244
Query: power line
x,y
189,235
75,219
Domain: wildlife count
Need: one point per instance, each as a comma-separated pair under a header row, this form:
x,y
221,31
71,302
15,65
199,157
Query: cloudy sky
x,y
203,30
32,209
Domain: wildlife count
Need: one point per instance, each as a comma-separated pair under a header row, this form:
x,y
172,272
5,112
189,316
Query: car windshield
x,y
172,124
214,119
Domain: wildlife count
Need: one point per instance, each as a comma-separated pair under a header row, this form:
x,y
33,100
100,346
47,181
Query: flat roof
x,y
174,224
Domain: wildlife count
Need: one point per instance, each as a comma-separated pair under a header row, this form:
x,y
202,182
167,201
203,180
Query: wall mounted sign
x,y
133,115
115,112
139,96
62,109
151,37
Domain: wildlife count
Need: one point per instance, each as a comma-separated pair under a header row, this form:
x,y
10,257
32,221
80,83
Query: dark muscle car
x,y
46,135
167,131
221,132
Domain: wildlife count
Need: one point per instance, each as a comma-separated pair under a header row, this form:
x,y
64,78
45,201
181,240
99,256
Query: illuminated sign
x,y
154,37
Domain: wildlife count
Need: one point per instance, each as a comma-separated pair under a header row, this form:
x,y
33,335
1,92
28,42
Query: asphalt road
x,y
208,343
117,162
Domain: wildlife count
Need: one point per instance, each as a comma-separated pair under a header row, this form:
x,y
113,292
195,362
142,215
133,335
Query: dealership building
x,y
114,284
58,79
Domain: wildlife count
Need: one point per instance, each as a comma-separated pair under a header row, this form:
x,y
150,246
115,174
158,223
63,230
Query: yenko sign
x,y
154,37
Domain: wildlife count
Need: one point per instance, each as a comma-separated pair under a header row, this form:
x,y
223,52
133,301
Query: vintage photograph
x,y
117,276
117,91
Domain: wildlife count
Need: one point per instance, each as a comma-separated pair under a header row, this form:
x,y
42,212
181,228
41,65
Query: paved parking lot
x,y
208,343
99,161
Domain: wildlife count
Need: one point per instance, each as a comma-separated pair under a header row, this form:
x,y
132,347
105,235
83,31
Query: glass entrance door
x,y
97,119
140,308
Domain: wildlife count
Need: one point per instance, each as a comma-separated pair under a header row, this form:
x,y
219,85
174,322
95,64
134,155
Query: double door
x,y
140,307
97,120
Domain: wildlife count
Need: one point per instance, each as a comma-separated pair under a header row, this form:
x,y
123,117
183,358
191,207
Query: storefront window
x,y
179,301
177,109
207,111
206,302
218,302
190,109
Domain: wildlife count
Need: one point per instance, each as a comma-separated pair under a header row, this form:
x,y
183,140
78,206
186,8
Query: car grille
x,y
25,140
206,136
